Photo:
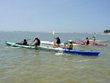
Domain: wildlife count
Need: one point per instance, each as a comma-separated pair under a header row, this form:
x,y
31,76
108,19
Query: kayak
x,y
72,51
81,52
52,43
19,45
74,43
92,40
91,44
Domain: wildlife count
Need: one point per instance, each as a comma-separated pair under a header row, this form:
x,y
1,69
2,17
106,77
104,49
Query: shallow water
x,y
20,65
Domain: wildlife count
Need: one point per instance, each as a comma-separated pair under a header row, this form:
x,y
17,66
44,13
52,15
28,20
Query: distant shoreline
x,y
98,33
61,32
102,33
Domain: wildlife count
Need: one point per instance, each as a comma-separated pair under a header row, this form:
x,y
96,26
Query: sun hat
x,y
36,37
70,41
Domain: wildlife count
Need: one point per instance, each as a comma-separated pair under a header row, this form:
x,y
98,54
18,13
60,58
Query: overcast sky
x,y
57,15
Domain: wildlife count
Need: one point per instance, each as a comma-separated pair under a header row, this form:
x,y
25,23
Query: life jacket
x,y
87,41
70,46
38,42
94,39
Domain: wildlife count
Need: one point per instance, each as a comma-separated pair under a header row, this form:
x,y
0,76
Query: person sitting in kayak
x,y
70,45
94,39
23,42
57,43
87,41
36,42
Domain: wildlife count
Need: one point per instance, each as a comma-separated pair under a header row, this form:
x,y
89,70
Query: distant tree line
x,y
107,31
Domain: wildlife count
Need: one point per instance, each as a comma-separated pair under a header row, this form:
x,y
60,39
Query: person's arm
x,y
34,43
54,37
69,46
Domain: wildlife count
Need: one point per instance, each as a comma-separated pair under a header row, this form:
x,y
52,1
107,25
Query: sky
x,y
55,15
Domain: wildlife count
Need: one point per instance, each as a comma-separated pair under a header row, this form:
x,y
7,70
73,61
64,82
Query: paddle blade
x,y
53,32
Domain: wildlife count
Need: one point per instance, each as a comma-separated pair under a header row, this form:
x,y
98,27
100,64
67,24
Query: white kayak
x,y
72,51
52,43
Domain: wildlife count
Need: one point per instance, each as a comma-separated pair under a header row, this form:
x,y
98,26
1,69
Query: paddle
x,y
83,39
26,40
53,34
23,41
54,38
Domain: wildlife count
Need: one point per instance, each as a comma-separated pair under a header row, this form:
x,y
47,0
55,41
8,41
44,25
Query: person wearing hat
x,y
94,39
70,45
57,41
36,42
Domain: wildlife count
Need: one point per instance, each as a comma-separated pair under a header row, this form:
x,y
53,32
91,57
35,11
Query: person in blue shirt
x,y
58,41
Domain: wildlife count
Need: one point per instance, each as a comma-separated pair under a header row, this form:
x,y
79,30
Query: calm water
x,y
20,65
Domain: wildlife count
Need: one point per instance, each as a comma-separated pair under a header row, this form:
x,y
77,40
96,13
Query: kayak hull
x,y
72,51
81,52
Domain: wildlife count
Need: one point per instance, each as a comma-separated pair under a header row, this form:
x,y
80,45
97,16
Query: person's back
x,y
38,42
25,42
58,41
87,41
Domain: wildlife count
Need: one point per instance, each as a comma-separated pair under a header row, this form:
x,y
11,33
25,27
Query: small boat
x,y
91,44
74,43
101,41
72,51
52,43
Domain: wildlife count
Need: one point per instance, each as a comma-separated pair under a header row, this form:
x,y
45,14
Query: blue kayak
x,y
72,51
81,52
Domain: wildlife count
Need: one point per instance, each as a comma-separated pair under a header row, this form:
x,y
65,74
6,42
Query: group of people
x,y
87,40
58,42
36,42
